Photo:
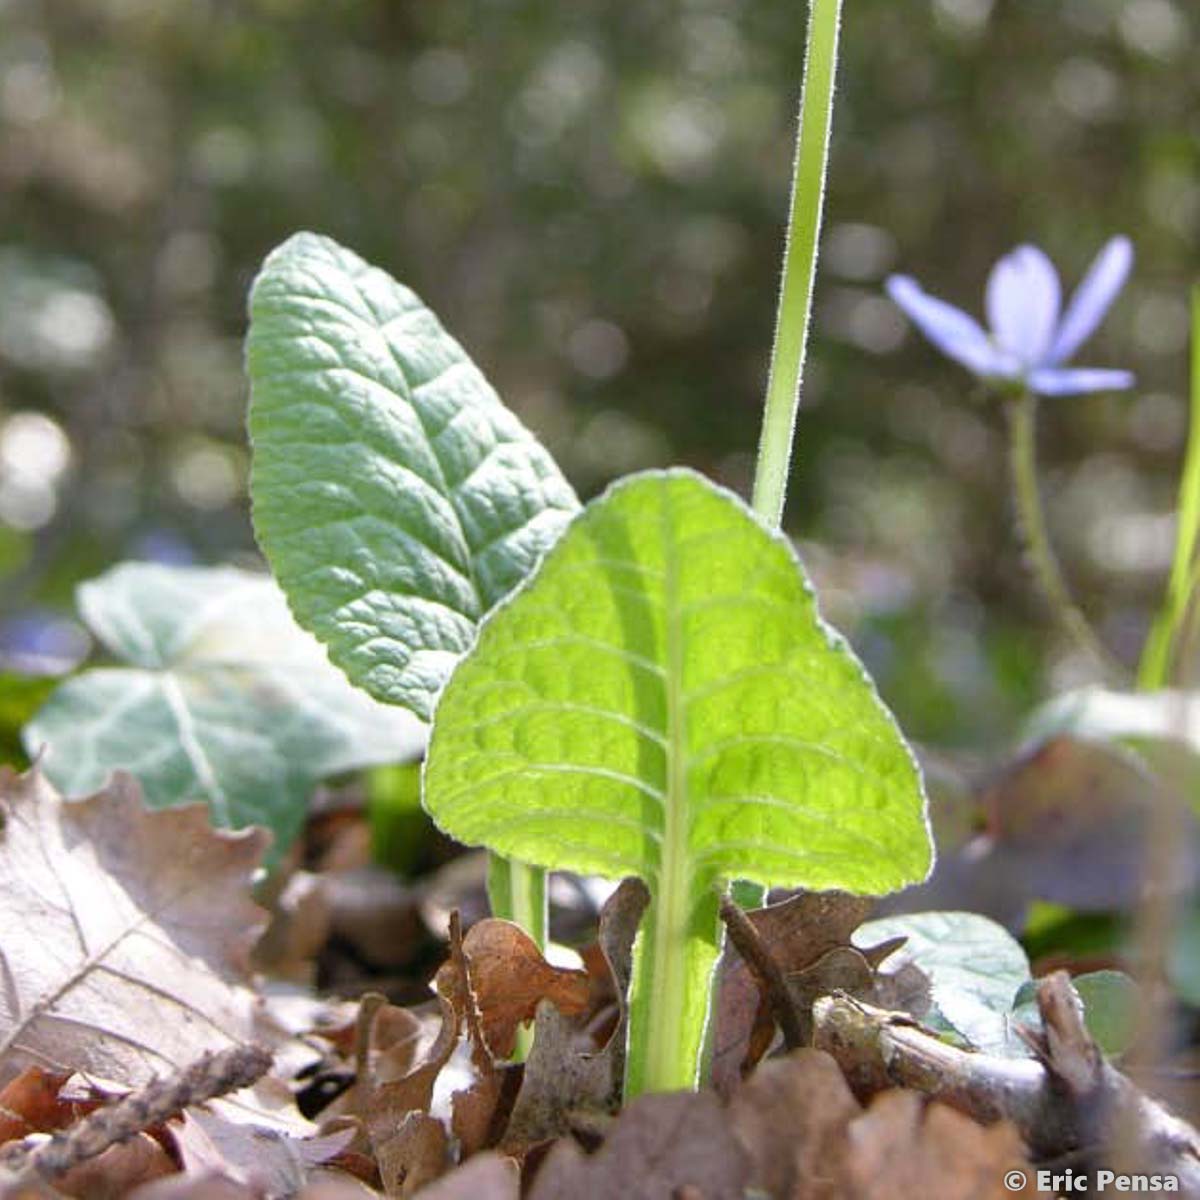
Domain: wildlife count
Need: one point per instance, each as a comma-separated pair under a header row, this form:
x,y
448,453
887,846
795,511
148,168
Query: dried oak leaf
x,y
124,932
509,977
415,1154
487,1176
493,980
270,1160
207,1186
664,1145
30,1103
386,1105
481,1111
211,1186
798,934
808,1139
116,1172
300,924
904,1149
410,1146
791,1117
566,1072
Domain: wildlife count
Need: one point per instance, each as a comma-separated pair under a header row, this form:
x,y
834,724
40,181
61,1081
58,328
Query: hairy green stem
x,y
799,261
1022,411
1161,654
801,242
517,892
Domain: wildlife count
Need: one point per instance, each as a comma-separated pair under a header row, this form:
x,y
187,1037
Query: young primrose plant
x,y
647,687
659,697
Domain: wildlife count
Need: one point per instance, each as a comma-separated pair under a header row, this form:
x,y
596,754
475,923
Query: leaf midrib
x,y
672,899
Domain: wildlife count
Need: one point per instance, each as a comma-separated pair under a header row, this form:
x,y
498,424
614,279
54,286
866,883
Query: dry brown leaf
x,y
387,1105
808,1139
30,1103
480,1112
797,933
417,1153
490,984
300,923
326,1185
565,1071
509,977
336,1185
270,1160
660,1146
902,1149
124,932
208,1186
409,1145
389,1041
116,1172
791,1117
487,1176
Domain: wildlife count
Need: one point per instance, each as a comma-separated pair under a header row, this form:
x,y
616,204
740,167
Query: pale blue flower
x,y
1030,339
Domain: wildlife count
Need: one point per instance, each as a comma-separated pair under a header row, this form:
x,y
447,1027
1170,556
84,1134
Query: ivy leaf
x,y
225,700
662,699
975,969
395,496
1110,1008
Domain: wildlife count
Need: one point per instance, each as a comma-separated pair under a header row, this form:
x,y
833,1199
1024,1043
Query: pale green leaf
x,y
1103,715
226,700
1162,728
395,496
1110,1002
975,969
662,699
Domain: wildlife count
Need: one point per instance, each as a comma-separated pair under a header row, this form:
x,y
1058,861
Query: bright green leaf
x,y
662,699
396,498
225,700
975,969
20,697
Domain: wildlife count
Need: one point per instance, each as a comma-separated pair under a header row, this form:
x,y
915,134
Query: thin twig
x,y
213,1075
758,957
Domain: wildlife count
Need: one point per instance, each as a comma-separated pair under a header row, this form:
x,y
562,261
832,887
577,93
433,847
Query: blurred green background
x,y
592,195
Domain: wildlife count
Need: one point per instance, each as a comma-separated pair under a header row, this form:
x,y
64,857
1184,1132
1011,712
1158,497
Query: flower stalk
x,y
1031,522
799,262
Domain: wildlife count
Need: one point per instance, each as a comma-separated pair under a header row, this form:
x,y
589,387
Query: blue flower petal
x,y
1023,298
1093,298
1074,381
951,330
